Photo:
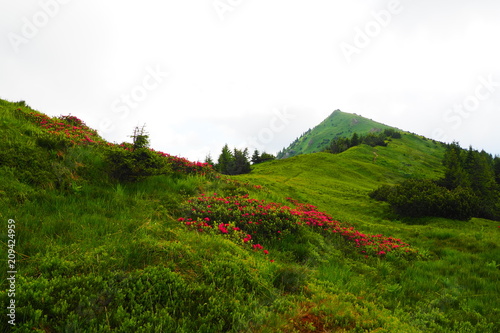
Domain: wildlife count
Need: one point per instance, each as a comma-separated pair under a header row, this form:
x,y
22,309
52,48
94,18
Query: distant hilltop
x,y
336,125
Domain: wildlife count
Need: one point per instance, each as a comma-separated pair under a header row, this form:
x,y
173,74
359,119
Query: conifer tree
x,y
241,164
480,173
140,137
455,175
339,145
256,157
496,169
208,160
355,140
224,162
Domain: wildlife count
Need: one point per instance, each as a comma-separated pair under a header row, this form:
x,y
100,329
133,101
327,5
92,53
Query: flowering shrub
x,y
263,221
72,120
228,230
367,244
67,128
182,165
258,221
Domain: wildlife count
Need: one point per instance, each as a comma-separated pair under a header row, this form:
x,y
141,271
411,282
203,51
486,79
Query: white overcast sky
x,y
256,73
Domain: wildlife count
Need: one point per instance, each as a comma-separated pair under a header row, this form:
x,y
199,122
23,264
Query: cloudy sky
x,y
256,73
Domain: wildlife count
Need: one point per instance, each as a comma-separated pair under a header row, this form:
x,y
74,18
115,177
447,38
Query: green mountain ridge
x,y
296,245
337,124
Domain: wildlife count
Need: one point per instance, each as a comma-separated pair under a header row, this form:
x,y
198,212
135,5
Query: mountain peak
x,y
337,124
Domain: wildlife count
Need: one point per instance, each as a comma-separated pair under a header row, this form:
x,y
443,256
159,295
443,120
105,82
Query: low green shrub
x,y
127,164
381,193
419,198
154,299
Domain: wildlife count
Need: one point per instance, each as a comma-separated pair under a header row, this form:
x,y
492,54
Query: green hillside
x,y
106,237
453,276
343,180
338,124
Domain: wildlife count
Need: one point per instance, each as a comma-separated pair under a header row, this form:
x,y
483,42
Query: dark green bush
x,y
129,165
419,198
381,193
391,133
154,299
375,140
341,144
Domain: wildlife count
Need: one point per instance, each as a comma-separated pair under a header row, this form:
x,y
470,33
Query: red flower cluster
x,y
202,225
182,165
76,132
72,120
370,244
222,227
263,221
68,127
257,218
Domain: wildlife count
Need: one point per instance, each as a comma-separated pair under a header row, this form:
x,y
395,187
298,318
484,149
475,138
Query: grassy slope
x,y
461,278
95,255
98,256
338,124
340,183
